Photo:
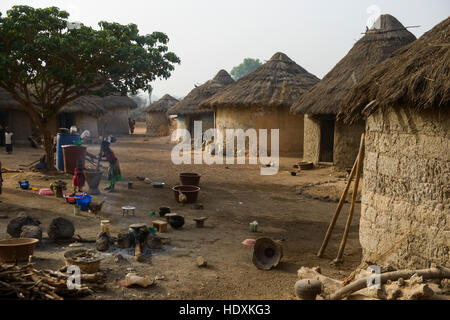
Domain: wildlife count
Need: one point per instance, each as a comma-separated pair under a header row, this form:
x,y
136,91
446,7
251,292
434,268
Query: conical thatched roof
x,y
118,101
387,35
278,83
162,105
416,77
91,105
190,104
6,101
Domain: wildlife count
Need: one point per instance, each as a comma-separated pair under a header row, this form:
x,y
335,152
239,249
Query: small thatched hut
x,y
188,111
261,100
117,111
328,140
157,119
15,118
84,112
406,191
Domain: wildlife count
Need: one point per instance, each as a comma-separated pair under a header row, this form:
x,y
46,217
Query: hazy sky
x,y
209,35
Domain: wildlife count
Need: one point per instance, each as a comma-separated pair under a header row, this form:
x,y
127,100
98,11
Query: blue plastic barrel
x,y
64,139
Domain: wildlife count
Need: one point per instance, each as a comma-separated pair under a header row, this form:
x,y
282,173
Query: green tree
x,y
245,68
45,62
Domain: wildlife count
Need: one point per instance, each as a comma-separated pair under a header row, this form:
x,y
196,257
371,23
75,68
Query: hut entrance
x,y
326,140
4,116
66,120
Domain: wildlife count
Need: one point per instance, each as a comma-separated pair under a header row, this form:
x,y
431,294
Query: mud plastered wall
x,y
291,126
405,208
311,143
347,139
116,121
157,124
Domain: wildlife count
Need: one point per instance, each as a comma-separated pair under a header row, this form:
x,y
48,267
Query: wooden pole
x,y
338,211
352,206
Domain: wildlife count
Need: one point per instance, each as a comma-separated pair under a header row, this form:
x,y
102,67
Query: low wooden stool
x,y
168,215
160,225
127,210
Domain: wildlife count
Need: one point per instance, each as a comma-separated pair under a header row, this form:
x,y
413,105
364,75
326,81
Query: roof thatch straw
x,y
387,35
190,104
277,83
91,105
162,105
416,77
118,101
7,101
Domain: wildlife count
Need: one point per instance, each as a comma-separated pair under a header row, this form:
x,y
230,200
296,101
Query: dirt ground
x,y
232,198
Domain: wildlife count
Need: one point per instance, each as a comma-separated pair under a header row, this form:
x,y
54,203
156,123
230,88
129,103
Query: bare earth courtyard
x,y
232,198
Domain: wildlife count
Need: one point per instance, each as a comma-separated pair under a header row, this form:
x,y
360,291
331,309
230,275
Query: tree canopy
x,y
247,66
46,63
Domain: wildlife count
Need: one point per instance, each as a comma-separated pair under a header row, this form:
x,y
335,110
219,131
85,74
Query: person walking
x,y
8,140
131,124
114,174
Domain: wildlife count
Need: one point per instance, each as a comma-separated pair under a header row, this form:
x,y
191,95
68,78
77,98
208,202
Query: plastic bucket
x,y
63,139
72,154
190,179
83,201
191,193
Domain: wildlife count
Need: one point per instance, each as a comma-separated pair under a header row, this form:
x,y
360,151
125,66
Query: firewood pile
x,y
27,283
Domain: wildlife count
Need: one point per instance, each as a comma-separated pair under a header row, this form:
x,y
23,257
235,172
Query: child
x,y
8,141
78,177
1,179
114,173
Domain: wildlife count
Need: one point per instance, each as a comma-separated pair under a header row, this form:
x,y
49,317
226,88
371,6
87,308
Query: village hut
x,y
117,111
85,113
157,119
328,140
188,111
262,99
15,118
406,192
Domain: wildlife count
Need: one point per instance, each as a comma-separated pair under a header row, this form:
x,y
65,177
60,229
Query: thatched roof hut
x,y
157,120
115,120
90,105
416,77
405,195
117,101
7,101
329,140
374,47
190,104
162,105
14,117
277,83
261,100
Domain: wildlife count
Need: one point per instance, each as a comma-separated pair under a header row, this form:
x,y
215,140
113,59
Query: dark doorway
x,y
66,120
4,117
326,140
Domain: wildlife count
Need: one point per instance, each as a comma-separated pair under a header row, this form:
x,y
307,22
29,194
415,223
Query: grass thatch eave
x,y
190,104
374,47
277,83
91,105
162,105
415,77
7,101
117,101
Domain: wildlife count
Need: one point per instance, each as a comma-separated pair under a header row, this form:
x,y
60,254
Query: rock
x,y
31,231
61,229
201,262
102,243
14,227
118,258
198,206
154,242
123,240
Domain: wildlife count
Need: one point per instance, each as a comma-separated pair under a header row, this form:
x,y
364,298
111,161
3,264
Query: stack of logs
x,y
27,283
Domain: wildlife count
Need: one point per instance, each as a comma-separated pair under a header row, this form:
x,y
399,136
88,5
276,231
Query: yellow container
x,y
104,225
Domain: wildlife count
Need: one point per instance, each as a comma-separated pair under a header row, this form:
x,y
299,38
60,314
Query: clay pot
x,y
176,222
308,289
163,211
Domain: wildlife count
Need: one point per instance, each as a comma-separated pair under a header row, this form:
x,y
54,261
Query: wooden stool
x,y
199,222
160,225
127,210
168,215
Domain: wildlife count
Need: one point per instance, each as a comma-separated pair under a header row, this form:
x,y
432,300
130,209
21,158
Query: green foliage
x,y
245,68
44,63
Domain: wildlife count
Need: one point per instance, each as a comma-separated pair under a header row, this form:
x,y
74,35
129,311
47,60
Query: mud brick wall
x,y
311,143
347,139
405,211
157,124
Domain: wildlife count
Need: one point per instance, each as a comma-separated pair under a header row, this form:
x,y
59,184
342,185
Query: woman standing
x,y
114,174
